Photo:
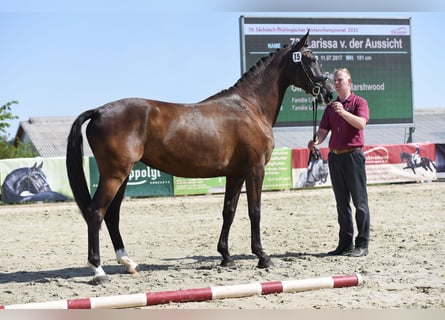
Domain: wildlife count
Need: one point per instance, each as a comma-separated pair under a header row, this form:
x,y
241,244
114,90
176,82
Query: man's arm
x,y
320,137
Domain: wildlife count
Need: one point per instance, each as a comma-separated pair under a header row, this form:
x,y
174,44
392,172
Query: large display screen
x,y
377,52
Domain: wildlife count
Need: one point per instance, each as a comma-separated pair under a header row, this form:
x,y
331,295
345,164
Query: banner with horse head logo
x,y
33,180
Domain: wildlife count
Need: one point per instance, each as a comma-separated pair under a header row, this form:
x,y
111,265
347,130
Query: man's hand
x,y
312,143
338,107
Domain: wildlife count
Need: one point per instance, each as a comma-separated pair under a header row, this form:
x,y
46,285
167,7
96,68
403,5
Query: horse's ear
x,y
40,165
302,43
34,166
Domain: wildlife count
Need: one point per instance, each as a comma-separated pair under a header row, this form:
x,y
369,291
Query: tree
x,y
7,148
5,115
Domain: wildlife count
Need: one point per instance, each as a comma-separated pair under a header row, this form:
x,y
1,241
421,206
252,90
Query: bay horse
x,y
228,134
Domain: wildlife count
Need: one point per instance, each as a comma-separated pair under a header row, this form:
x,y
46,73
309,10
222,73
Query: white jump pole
x,y
195,295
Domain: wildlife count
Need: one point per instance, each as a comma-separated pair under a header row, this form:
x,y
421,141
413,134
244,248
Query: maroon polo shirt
x,y
343,135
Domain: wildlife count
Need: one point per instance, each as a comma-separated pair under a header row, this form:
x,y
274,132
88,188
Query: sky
x,y
59,58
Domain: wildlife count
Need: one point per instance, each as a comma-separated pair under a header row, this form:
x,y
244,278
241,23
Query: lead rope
x,y
315,153
314,117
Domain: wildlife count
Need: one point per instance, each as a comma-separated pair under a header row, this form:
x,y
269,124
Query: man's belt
x,y
346,150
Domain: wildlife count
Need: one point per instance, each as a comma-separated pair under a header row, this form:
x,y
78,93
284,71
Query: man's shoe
x,y
341,251
358,252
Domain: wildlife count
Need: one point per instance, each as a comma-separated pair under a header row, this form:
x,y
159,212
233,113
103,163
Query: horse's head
x,y
405,156
34,181
308,74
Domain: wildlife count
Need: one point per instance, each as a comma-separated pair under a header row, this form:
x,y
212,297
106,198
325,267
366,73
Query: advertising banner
x,y
188,186
384,164
277,177
278,174
45,180
38,179
143,181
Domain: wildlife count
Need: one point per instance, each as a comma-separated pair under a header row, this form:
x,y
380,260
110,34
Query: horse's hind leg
x,y
112,222
231,197
103,197
94,221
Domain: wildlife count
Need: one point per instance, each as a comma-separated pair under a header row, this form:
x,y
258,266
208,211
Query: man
x,y
346,119
415,157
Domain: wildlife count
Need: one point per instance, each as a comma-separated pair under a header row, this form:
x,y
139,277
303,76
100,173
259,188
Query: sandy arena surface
x,y
44,247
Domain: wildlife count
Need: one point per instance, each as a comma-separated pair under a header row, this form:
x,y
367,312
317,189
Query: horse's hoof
x,y
265,263
122,258
102,279
228,263
133,269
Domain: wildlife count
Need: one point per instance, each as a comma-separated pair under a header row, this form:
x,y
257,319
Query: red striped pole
x,y
195,295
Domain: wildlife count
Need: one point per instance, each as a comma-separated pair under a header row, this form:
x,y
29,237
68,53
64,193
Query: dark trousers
x,y
348,177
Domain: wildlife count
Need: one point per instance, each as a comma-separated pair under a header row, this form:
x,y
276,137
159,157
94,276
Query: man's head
x,y
342,80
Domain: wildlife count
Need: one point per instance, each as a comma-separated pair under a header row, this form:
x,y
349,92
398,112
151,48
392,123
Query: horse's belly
x,y
188,164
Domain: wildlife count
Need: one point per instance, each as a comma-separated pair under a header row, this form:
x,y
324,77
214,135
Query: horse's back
x,y
206,139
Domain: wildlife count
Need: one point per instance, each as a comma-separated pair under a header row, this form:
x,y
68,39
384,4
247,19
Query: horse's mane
x,y
257,68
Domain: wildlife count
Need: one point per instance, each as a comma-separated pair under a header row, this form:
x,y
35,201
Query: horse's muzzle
x,y
326,93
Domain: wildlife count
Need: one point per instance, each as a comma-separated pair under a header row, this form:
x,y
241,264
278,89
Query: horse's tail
x,y
74,163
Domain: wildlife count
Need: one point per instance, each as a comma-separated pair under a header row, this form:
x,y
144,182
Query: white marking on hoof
x,y
98,271
122,258
100,276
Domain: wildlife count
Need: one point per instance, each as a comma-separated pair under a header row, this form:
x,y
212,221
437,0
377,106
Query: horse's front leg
x,y
254,185
231,197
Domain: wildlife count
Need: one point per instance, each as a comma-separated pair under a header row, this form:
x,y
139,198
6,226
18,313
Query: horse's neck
x,y
22,184
15,177
316,165
266,88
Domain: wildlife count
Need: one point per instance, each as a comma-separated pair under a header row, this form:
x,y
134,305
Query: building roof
x,y
49,134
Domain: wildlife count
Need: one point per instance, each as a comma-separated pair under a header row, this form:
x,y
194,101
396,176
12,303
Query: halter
x,y
315,84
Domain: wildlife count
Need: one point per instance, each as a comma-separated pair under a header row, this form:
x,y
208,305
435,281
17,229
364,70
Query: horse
x,y
318,172
227,134
29,184
423,162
